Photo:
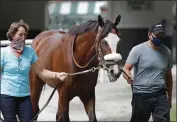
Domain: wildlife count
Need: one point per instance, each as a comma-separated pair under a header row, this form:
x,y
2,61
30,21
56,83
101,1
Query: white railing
x,y
5,43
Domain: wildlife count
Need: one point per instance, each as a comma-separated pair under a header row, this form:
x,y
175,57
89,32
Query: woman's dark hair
x,y
14,28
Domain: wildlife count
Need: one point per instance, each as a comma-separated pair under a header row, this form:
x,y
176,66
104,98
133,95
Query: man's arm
x,y
132,59
127,69
169,83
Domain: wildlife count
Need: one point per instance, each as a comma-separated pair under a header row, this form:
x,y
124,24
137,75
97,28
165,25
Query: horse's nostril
x,y
112,71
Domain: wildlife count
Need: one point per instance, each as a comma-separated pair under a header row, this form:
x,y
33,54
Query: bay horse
x,y
71,52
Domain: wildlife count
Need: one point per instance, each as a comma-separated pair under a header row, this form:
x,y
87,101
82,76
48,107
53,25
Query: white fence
x,y
5,43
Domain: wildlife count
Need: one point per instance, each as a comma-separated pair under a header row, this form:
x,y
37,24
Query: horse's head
x,y
106,27
108,59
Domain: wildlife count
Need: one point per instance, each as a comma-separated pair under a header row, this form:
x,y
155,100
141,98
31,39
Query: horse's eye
x,y
113,31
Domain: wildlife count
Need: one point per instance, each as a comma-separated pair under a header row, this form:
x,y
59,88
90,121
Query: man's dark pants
x,y
145,104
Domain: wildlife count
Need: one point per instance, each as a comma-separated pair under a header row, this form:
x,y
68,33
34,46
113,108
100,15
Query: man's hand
x,y
130,80
170,102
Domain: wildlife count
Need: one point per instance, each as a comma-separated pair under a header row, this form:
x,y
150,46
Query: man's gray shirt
x,y
149,67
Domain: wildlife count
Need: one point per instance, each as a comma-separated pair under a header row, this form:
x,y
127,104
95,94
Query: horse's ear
x,y
118,19
100,21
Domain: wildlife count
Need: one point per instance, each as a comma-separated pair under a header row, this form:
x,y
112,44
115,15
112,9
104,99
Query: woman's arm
x,y
47,75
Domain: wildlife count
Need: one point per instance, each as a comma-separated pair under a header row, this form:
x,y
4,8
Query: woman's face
x,y
20,34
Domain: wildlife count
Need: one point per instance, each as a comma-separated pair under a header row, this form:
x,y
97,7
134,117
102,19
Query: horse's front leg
x,y
89,104
63,108
36,88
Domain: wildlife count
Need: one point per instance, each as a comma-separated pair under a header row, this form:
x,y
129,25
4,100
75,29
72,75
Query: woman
x,y
16,62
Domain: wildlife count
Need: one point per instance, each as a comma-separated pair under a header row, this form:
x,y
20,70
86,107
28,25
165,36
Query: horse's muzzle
x,y
114,76
112,60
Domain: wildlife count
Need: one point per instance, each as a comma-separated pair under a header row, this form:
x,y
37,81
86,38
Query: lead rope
x,y
93,69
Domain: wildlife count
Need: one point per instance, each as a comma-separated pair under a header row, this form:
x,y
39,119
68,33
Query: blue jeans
x,y
11,106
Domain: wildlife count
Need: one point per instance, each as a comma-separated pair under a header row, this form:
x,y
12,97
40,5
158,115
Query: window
x,y
51,7
82,8
98,4
65,8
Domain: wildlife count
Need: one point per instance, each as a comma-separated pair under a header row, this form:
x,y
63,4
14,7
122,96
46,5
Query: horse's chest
x,y
85,82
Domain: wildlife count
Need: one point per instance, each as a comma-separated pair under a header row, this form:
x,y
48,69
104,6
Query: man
x,y
152,78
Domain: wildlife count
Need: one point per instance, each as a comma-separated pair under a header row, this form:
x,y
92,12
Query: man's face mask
x,y
157,41
18,45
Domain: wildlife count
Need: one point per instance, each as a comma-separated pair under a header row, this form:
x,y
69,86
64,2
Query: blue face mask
x,y
156,41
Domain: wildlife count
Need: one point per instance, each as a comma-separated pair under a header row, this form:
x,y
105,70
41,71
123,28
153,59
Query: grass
x,y
173,113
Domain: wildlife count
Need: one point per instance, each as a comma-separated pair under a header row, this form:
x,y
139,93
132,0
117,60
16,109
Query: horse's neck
x,y
85,47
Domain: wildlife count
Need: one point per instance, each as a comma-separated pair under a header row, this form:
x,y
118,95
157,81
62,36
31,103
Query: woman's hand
x,y
48,75
61,75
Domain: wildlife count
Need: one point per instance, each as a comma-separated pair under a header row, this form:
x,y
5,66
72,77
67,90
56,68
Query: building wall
x,y
31,12
34,13
134,24
142,18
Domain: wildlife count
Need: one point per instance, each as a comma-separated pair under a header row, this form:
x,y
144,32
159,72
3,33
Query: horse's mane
x,y
84,27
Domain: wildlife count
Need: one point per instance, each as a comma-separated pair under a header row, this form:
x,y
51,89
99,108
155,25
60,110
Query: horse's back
x,y
46,37
46,44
